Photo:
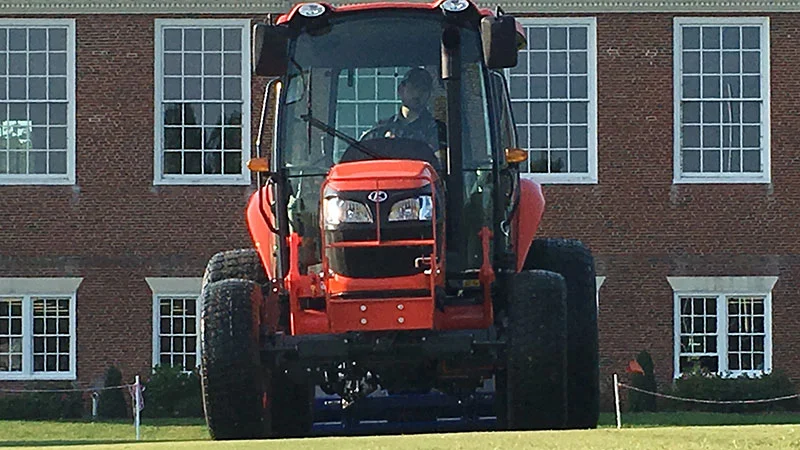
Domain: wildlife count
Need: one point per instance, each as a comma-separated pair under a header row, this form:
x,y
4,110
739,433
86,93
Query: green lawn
x,y
668,431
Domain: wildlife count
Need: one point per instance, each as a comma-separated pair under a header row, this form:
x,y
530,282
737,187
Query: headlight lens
x,y
337,210
420,208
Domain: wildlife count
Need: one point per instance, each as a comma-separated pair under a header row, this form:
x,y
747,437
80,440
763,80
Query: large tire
x,y
232,385
533,390
241,264
575,263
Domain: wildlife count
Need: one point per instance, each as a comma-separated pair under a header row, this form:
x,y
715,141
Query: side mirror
x,y
270,49
501,41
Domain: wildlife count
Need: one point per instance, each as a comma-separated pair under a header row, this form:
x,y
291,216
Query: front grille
x,y
377,262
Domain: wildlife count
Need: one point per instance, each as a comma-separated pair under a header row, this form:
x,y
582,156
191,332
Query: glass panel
x,y
173,63
192,39
751,37
691,37
233,165
58,39
57,64
233,39
212,39
711,37
711,62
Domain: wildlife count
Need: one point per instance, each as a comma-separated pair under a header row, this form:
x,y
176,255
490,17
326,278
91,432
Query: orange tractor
x,y
392,259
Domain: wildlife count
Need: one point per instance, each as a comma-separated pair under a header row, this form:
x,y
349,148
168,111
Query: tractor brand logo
x,y
377,196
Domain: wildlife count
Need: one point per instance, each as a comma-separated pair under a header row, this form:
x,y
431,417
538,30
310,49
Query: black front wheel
x,y
532,389
230,370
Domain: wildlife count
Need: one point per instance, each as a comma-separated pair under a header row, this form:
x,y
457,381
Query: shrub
x,y
639,401
170,392
701,384
43,405
112,403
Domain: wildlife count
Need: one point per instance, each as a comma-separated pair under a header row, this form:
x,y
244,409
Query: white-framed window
x,y
553,92
366,97
37,101
37,328
723,324
176,321
202,101
722,100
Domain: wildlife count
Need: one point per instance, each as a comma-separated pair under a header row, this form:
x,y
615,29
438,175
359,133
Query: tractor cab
x,y
391,148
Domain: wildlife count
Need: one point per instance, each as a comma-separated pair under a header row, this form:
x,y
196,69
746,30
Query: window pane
x,y
558,38
58,38
751,37
691,87
711,62
691,62
57,64
233,39
212,39
173,64
711,37
691,37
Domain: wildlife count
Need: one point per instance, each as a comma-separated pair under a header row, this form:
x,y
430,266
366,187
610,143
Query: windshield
x,y
366,79
377,77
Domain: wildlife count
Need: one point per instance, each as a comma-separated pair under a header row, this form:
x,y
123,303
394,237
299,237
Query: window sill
x,y
36,181
757,179
68,376
193,180
545,178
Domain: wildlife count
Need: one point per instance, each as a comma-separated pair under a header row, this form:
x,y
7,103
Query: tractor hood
x,y
386,174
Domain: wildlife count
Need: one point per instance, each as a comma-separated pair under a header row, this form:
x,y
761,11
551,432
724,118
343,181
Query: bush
x,y
639,401
170,392
701,384
112,403
43,405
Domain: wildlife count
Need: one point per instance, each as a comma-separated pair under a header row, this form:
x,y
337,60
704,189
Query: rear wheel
x,y
231,380
575,263
532,388
241,263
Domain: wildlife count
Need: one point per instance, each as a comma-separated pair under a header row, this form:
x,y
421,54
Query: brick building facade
x,y
651,126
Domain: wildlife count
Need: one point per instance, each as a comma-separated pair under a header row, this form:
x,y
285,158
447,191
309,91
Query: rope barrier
x,y
617,385
715,402
106,388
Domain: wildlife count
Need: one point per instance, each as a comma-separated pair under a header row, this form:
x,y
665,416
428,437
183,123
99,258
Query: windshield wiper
x,y
336,133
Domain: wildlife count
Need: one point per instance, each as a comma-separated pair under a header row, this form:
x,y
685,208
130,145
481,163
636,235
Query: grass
x,y
667,431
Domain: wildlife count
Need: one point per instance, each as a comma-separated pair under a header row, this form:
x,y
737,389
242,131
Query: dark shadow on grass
x,y
51,443
160,422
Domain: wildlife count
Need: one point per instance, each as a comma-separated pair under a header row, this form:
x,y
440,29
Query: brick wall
x,y
114,228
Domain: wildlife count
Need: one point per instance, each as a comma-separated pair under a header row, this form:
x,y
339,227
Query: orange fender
x,y
527,218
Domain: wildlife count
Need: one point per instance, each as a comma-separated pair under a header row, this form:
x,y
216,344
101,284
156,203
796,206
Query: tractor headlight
x,y
455,5
337,210
311,10
420,208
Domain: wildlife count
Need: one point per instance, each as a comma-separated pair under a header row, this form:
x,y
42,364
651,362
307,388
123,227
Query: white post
x,y
616,401
95,401
137,392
